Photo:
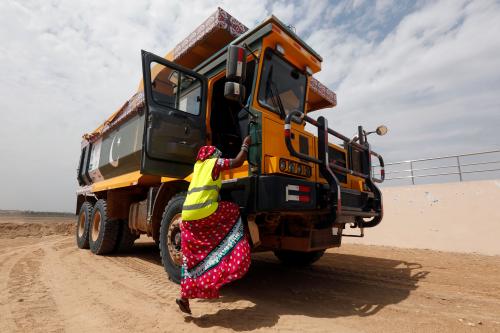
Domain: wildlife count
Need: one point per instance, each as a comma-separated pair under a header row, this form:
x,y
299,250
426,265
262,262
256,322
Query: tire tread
x,y
170,210
83,242
108,234
126,238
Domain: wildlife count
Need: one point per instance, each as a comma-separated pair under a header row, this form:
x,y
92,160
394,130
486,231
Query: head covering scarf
x,y
207,152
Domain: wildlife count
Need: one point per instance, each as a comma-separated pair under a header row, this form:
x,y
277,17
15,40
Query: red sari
x,y
215,249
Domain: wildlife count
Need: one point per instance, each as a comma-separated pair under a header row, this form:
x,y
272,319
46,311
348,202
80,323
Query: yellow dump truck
x,y
297,192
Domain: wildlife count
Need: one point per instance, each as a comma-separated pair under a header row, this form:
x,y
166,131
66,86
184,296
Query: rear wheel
x,y
103,231
170,237
296,258
82,227
126,237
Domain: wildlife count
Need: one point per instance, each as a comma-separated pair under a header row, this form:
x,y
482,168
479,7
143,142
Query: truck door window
x,y
290,84
175,90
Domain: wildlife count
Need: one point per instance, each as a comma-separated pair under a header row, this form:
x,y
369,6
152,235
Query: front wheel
x,y
170,237
297,258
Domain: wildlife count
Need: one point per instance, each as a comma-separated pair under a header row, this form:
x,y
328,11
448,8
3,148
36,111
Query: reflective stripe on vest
x,y
197,206
203,193
203,188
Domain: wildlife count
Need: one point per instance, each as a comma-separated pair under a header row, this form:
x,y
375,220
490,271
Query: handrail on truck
x,y
318,123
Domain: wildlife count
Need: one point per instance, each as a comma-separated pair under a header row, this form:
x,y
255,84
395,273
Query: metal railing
x,y
459,165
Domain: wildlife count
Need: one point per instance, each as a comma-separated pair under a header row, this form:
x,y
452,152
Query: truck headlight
x,y
282,165
308,171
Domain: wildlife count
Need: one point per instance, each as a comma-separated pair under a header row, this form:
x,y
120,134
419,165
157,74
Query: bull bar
x,y
327,169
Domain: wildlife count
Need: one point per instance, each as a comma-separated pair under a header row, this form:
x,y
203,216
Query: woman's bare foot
x,y
183,304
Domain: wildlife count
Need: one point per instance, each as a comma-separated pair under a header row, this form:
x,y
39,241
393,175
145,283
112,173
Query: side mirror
x,y
234,91
382,130
236,64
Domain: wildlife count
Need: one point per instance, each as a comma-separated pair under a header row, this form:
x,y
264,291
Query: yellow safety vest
x,y
203,194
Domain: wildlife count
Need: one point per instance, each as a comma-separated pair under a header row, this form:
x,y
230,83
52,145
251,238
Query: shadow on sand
x,y
338,285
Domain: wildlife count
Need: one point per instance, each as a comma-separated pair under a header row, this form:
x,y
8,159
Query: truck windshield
x,y
289,83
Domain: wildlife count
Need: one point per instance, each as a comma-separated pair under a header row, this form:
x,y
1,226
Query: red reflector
x,y
240,54
304,189
304,198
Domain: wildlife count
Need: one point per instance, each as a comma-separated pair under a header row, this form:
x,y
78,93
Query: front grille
x,y
338,157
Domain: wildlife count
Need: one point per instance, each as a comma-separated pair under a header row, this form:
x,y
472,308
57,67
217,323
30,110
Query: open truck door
x,y
175,117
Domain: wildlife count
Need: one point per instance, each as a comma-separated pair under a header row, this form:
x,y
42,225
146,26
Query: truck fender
x,y
80,199
166,191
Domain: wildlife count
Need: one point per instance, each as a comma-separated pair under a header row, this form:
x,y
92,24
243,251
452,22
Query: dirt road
x,y
47,284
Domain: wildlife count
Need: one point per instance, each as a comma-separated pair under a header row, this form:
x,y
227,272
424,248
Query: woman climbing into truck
x,y
215,247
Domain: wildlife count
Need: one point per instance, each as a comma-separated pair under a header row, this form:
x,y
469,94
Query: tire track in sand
x,y
101,304
154,277
31,305
118,293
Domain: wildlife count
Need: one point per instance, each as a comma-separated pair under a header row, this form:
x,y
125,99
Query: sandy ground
x,y
47,284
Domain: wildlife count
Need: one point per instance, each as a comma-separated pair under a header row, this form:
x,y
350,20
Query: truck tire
x,y
83,225
126,237
297,258
103,231
170,237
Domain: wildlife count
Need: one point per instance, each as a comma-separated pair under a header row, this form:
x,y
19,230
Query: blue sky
x,y
430,70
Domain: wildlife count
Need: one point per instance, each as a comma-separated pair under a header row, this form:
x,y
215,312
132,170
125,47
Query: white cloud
x,y
430,71
66,66
434,80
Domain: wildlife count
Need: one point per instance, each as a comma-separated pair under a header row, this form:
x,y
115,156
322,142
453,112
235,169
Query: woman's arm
x,y
242,155
226,164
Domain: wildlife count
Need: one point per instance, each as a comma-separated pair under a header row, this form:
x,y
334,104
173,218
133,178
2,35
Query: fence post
x,y
459,168
411,171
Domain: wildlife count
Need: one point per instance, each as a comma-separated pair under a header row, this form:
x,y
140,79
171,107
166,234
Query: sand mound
x,y
13,230
20,224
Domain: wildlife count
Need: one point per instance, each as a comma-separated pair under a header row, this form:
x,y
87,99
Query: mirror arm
x,y
364,134
244,107
251,52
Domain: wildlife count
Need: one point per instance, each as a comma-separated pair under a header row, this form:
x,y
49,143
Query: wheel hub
x,y
81,225
174,240
96,226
